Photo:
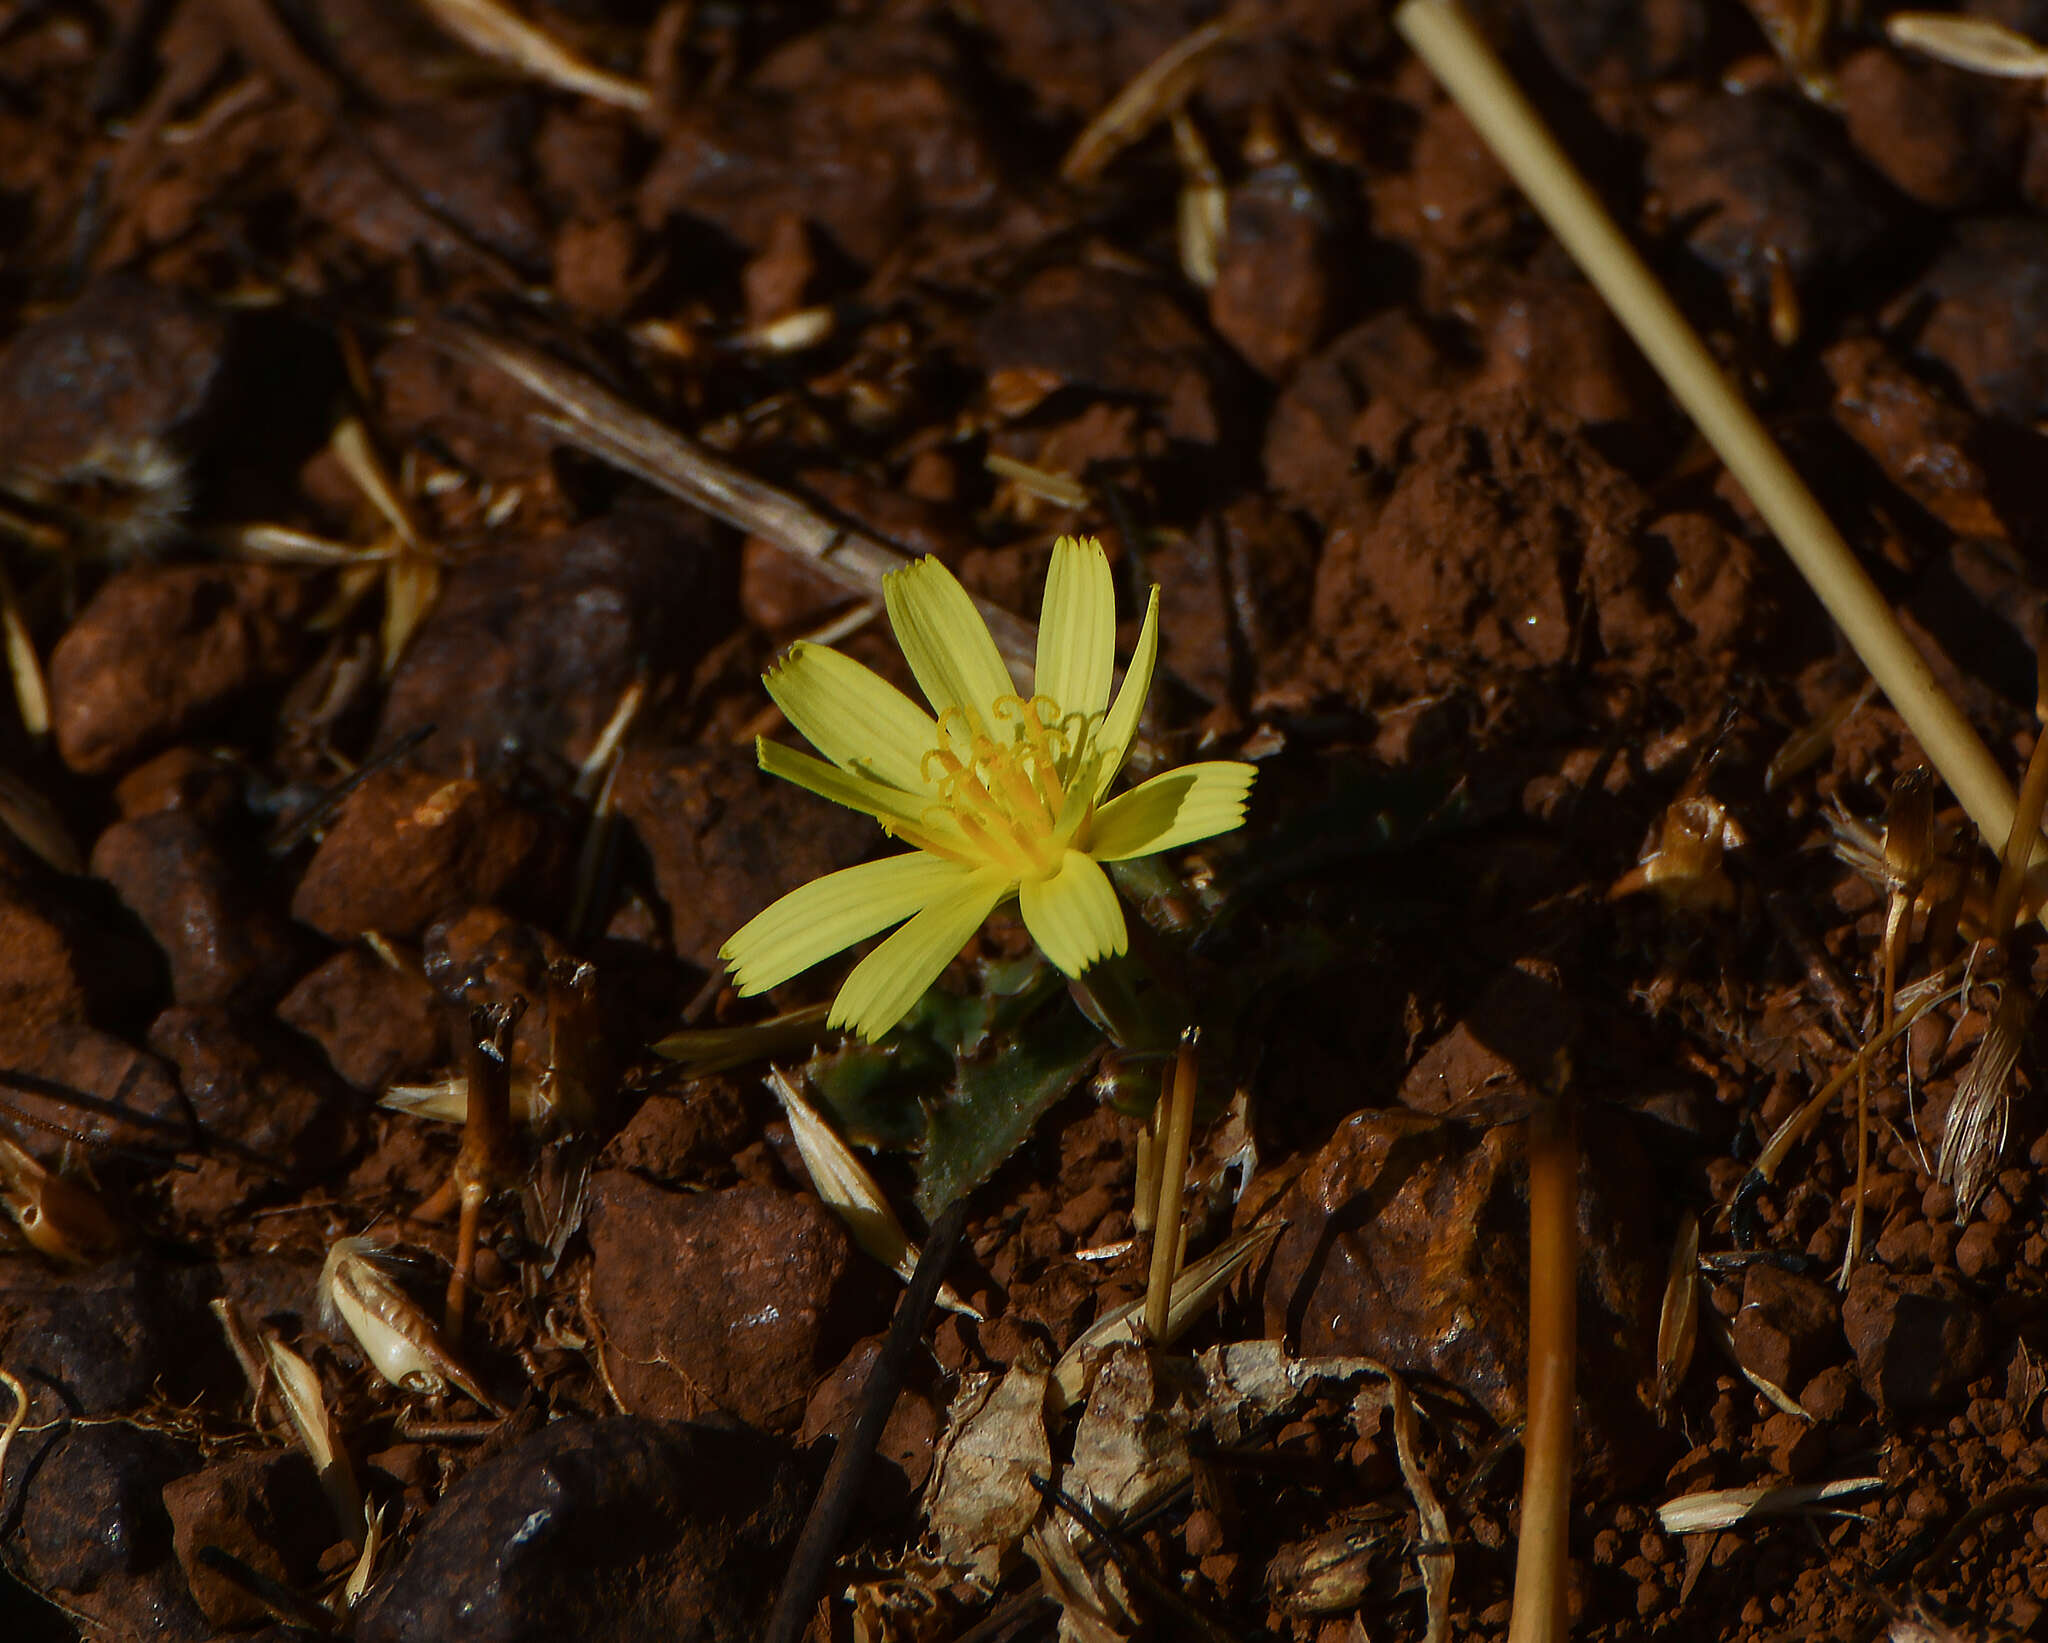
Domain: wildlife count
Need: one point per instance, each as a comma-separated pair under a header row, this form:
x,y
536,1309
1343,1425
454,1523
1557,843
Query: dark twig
x,y
837,1495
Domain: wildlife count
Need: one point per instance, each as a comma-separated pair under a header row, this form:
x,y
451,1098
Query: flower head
x,y
1000,794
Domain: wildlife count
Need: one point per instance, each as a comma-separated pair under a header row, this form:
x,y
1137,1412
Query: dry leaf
x,y
298,1384
1678,1324
1193,1292
1975,43
1156,92
1723,1508
851,1193
981,1501
399,1339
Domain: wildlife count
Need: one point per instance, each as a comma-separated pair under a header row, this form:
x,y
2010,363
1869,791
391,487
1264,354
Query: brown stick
x,y
488,1157
1540,1613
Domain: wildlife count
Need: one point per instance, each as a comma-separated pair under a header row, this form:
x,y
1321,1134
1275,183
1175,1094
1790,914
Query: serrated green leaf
x,y
996,1099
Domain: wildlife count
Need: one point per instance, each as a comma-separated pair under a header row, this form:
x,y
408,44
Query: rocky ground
x,y
334,636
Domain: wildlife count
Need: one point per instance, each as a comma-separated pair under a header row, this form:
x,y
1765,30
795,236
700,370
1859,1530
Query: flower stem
x,y
1541,1613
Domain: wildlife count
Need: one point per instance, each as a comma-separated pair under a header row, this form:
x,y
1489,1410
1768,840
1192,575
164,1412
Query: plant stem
x,y
1172,1189
837,1496
1445,39
1541,1613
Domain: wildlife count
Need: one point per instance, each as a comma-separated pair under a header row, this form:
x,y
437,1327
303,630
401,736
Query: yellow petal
x,y
853,716
946,643
818,919
894,976
1177,807
904,813
1074,916
1077,627
1118,730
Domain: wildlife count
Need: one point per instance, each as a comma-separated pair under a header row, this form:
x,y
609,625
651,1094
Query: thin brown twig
x,y
595,420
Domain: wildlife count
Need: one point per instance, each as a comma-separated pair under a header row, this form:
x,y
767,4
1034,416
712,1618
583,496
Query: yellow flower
x,y
1000,796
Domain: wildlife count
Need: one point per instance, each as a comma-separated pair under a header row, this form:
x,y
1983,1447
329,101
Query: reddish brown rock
x,y
222,942
726,840
91,1529
1314,436
1616,44
530,646
619,1528
1768,176
376,1024
907,1438
70,1056
678,1137
1556,340
1272,293
210,785
862,131
1501,523
1939,135
462,166
1985,301
250,1085
732,1300
410,846
1406,1240
103,404
1918,1340
1788,1328
1915,433
268,1510
162,651
595,265
1508,1039
1116,333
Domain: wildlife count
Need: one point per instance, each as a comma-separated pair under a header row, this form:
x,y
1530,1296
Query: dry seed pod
x,y
1678,1325
394,1334
298,1384
1685,868
62,1219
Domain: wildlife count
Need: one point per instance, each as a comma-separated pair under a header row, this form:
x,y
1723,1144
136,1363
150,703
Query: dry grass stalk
x,y
12,1429
495,31
1794,1129
24,667
597,421
1810,743
1974,1135
33,819
1193,1291
488,1158
1445,39
1540,1613
1171,1192
2022,837
1059,489
1433,1524
1204,212
1157,92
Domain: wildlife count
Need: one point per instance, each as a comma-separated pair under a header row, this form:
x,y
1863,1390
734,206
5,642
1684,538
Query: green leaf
x,y
997,1098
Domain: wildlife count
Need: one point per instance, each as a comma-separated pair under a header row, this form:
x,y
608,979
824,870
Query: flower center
x,y
1008,797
